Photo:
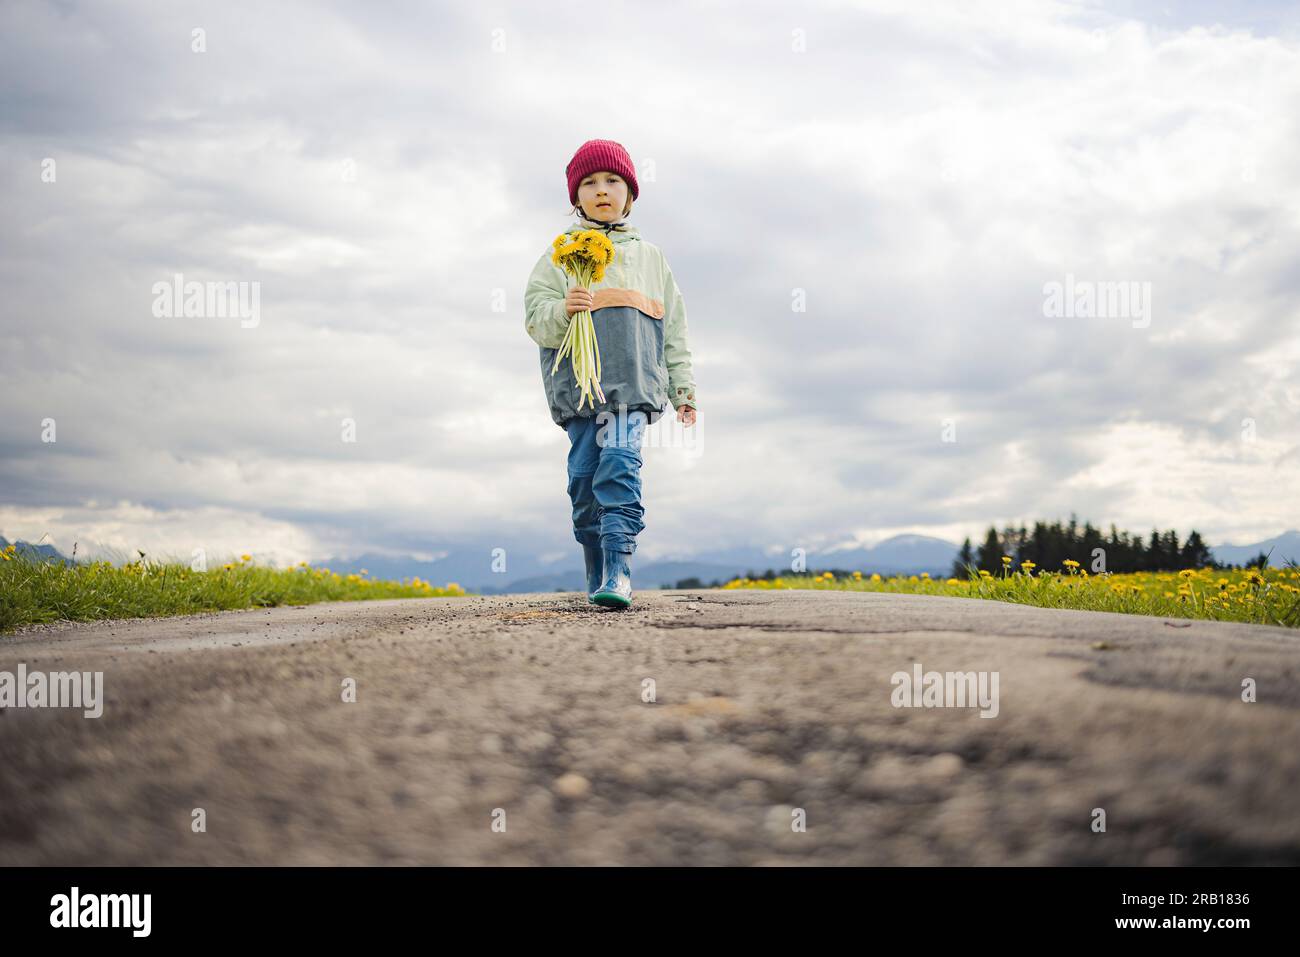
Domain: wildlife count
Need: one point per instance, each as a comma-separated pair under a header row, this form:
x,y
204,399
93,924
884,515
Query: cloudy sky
x,y
865,205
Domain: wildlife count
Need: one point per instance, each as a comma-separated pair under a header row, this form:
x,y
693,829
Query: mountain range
x,y
481,568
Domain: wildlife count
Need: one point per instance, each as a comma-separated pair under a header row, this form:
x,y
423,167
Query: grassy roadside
x,y
1269,596
34,591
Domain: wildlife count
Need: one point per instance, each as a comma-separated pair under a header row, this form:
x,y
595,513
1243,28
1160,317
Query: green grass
x,y
34,590
1269,596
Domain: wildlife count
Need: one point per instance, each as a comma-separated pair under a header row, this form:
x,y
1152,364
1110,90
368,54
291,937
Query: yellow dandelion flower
x,y
583,255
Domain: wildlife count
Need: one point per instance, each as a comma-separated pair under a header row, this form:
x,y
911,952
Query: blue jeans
x,y
605,479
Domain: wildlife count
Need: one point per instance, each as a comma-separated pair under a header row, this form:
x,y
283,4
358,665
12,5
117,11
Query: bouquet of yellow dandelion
x,y
584,256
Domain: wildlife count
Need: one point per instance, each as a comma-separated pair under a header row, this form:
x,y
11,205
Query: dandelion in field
x,y
245,558
1006,559
1028,565
875,576
1070,563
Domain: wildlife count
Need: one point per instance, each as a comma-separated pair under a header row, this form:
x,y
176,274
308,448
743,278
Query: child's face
x,y
603,196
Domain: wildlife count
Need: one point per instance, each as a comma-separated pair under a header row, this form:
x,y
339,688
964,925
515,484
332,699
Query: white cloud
x,y
919,172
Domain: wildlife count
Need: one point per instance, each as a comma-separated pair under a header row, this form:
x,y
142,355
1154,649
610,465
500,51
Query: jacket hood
x,y
624,231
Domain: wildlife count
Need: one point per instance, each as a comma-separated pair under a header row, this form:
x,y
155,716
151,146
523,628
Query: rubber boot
x,y
616,592
595,570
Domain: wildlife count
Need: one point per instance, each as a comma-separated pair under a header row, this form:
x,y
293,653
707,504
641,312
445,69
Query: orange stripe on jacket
x,y
612,296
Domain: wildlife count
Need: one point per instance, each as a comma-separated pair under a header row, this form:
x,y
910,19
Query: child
x,y
640,323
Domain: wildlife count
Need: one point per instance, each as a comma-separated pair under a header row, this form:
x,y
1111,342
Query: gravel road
x,y
516,730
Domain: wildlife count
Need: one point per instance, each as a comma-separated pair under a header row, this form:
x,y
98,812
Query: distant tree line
x,y
1048,546
770,575
694,582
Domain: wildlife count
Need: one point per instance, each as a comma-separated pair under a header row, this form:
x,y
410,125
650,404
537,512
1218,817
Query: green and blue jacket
x,y
640,323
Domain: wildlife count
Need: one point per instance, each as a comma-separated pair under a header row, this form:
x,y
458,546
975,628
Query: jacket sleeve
x,y
677,355
544,314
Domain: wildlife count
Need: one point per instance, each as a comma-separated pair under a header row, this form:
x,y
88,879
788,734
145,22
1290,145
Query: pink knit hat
x,y
594,156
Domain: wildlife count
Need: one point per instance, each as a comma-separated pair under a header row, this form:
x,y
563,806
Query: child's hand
x,y
578,300
686,415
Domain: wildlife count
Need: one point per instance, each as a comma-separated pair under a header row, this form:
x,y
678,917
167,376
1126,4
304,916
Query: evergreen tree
x,y
1154,559
965,558
1090,542
990,553
1116,550
1169,548
1196,554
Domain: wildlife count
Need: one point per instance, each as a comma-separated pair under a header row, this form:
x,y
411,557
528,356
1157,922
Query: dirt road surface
x,y
769,708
